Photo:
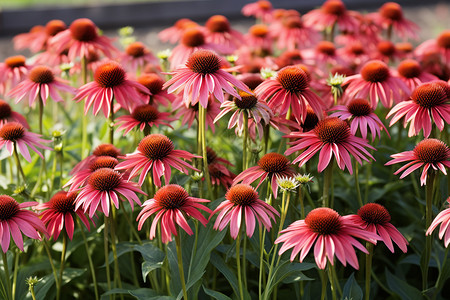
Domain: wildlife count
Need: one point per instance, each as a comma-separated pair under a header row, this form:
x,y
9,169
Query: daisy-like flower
x,y
330,136
288,58
143,116
188,114
219,31
329,233
156,94
81,37
8,115
332,12
136,56
385,51
103,187
13,135
110,82
259,39
15,220
375,218
271,165
100,150
410,71
171,205
428,104
261,9
293,34
362,116
12,71
33,40
431,154
376,81
290,89
246,104
390,16
242,205
202,76
439,45
59,213
174,33
41,82
218,171
156,152
442,218
287,183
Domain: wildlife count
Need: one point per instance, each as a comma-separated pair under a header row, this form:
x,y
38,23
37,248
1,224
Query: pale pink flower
x,y
259,39
440,45
323,56
442,218
143,116
261,9
34,40
136,56
156,94
219,32
410,71
293,34
100,150
8,115
174,33
12,71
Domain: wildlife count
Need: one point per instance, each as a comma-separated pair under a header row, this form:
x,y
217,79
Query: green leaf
x,y
352,290
286,269
219,263
216,295
401,287
43,287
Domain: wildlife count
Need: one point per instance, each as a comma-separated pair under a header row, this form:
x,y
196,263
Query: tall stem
x,y
369,256
302,204
106,250
358,190
323,280
84,137
111,123
91,264
180,264
266,138
202,124
15,272
47,249
238,265
8,279
117,279
61,267
262,235
41,114
426,255
332,283
327,182
245,142
19,166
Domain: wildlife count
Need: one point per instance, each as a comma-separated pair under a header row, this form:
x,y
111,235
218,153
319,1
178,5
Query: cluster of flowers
x,y
274,77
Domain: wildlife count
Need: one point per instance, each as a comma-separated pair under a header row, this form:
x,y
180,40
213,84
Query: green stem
x,y
61,267
19,166
369,256
244,260
358,191
15,272
106,250
238,265
245,142
47,249
366,185
85,121
266,138
180,264
41,114
332,283
91,264
202,124
262,273
33,295
111,123
302,204
323,279
8,279
117,279
425,260
328,173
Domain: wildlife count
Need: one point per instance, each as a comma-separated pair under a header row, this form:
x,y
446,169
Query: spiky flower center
x,y
274,163
106,150
136,49
83,30
432,151
151,81
265,5
404,47
54,27
359,107
409,68
171,196
443,40
293,22
259,30
155,146
63,202
193,37
293,79
15,61
375,71
392,11
181,23
324,221
242,195
5,110
41,75
429,95
374,213
327,48
204,62
105,179
252,80
247,101
12,131
332,130
109,74
357,49
8,208
386,48
145,113
103,162
310,121
334,7
218,23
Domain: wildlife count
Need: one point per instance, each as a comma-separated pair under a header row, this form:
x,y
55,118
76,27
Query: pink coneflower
x,y
404,50
442,218
14,220
361,116
376,81
412,74
156,93
261,9
82,37
219,32
8,115
136,56
100,150
13,135
174,33
218,171
290,89
189,114
323,56
242,205
202,76
431,154
390,16
110,82
439,45
171,205
330,233
41,82
375,218
247,104
429,102
103,187
59,213
33,40
143,116
259,39
288,58
156,152
385,51
293,34
354,54
332,12
271,165
12,71
330,136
